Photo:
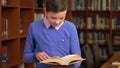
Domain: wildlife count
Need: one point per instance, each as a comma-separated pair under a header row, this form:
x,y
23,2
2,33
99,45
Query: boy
x,y
51,36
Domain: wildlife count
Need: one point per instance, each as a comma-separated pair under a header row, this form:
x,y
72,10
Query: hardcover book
x,y
66,60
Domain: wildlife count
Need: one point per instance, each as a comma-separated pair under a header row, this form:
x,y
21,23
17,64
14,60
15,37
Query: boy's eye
x,y
53,18
56,18
61,18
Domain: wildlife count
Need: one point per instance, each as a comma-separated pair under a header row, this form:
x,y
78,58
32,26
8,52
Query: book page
x,y
68,56
66,60
71,59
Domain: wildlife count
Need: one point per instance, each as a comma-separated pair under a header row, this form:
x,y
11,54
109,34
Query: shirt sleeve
x,y
75,45
29,54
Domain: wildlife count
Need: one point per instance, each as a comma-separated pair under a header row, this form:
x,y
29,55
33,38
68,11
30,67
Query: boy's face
x,y
56,19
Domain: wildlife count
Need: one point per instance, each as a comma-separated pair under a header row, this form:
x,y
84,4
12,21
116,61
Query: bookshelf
x,y
15,18
96,20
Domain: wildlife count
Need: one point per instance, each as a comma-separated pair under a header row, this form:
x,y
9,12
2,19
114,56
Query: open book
x,y
66,60
117,63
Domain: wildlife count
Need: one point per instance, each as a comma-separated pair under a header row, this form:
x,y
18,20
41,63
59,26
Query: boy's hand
x,y
42,56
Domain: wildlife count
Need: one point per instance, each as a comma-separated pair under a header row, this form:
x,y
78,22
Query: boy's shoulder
x,y
37,22
69,23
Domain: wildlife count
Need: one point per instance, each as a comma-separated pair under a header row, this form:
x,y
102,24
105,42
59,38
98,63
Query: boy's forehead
x,y
57,15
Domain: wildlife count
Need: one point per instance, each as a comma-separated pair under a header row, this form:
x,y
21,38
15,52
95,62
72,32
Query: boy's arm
x,y
75,45
29,55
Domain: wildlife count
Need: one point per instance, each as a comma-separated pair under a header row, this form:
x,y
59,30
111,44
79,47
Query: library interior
x,y
97,23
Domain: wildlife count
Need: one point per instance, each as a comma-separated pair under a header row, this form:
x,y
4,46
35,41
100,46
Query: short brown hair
x,y
56,5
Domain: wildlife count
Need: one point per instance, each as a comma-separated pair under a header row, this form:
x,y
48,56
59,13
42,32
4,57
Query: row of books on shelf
x,y
5,25
116,23
96,5
79,22
4,53
78,5
98,37
116,37
116,5
97,22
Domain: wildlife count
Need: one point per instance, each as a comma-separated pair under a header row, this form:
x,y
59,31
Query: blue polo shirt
x,y
61,42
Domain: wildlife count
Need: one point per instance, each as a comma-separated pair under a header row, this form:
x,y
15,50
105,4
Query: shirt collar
x,y
47,24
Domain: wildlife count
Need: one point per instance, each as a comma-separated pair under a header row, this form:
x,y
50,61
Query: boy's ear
x,y
44,10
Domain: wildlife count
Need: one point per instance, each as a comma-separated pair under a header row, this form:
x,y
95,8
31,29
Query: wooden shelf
x,y
11,16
